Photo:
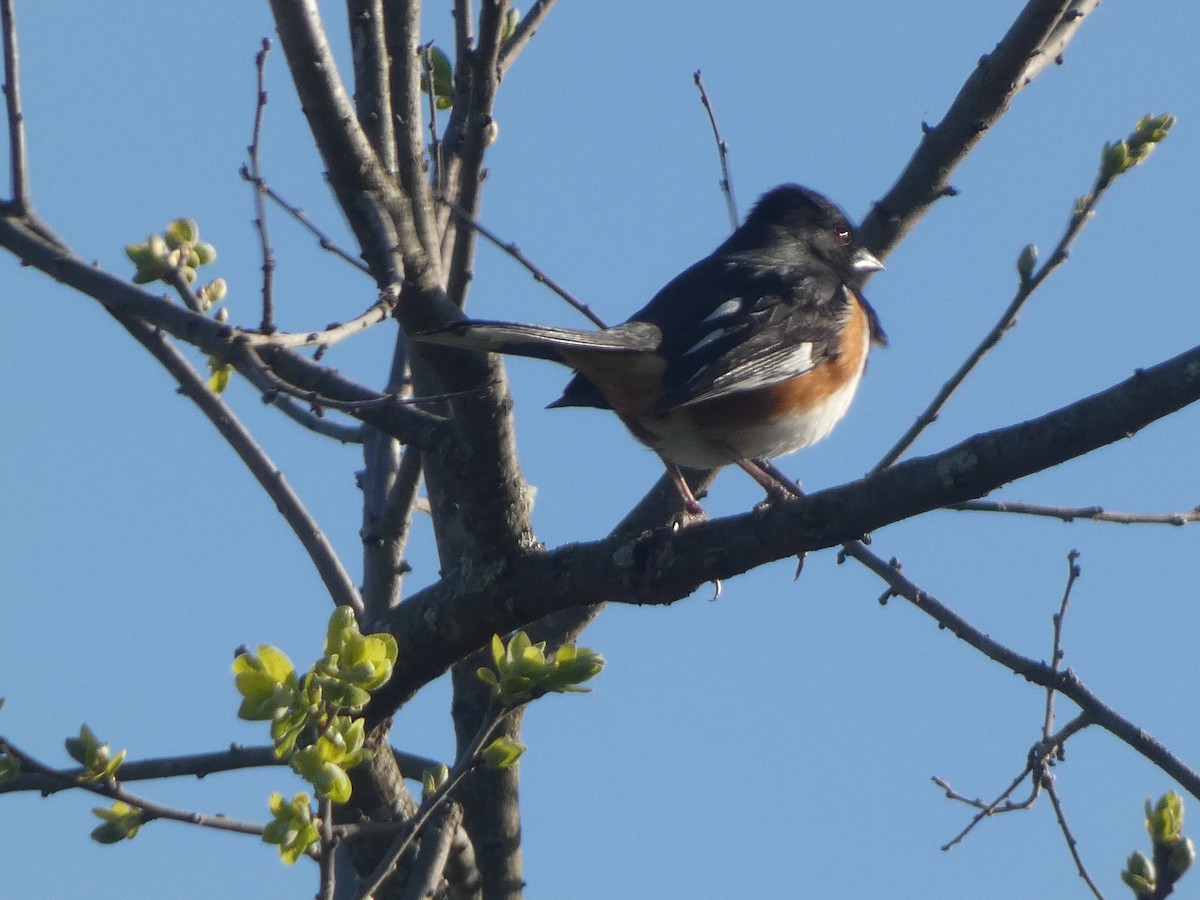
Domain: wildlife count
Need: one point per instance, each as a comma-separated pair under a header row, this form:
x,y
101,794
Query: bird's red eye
x,y
841,237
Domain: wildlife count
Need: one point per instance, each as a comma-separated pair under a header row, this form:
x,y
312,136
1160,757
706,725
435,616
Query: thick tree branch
x,y
365,191
372,94
1043,25
403,29
443,623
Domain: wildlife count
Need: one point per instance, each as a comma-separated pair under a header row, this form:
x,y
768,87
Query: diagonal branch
x,y
125,301
523,33
1029,283
337,581
1095,711
982,100
443,623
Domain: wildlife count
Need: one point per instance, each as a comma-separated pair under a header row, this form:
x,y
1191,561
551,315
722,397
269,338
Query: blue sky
x,y
778,742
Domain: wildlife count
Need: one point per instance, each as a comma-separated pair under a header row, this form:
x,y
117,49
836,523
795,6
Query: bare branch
x,y
722,152
468,129
345,433
260,207
1066,683
301,216
431,802
325,859
1053,46
337,581
437,838
1072,844
364,189
514,251
1028,284
403,30
996,807
377,312
1071,513
1056,651
195,765
982,100
18,162
113,791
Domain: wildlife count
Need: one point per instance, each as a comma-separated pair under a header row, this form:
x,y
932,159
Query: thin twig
x,y
113,791
341,589
377,312
1065,682
18,162
1052,746
1056,651
176,279
261,375
722,152
1061,815
260,206
515,252
998,806
1025,289
1071,513
194,765
325,242
343,432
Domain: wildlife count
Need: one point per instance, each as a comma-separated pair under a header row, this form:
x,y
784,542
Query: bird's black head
x,y
791,222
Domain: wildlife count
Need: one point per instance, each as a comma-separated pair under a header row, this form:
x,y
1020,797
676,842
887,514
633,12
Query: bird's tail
x,y
544,341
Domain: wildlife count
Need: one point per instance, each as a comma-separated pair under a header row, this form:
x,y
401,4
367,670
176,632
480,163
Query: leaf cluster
x,y
311,716
1173,853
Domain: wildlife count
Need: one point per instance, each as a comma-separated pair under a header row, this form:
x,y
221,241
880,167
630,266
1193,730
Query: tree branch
x,y
1071,513
113,790
1029,283
337,581
17,160
980,103
195,765
523,33
443,623
1065,682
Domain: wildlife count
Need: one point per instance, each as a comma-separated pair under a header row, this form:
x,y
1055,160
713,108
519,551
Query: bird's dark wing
x,y
744,321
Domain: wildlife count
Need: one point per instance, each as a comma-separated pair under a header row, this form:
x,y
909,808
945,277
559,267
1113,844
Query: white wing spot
x,y
728,308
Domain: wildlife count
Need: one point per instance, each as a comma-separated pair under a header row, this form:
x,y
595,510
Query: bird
x,y
749,354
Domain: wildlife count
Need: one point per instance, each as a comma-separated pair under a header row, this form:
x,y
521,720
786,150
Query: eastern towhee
x,y
753,352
